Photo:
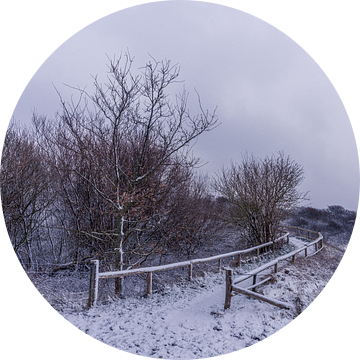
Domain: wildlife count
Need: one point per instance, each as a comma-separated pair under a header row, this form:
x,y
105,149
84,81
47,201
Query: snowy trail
x,y
188,321
297,242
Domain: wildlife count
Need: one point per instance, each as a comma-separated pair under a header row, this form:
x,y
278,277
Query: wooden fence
x,y
95,275
232,290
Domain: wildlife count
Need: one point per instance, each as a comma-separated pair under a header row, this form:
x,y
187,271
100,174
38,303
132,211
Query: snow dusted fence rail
x,y
232,290
95,275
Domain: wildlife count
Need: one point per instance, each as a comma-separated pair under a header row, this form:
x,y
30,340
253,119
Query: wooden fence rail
x,y
230,282
95,275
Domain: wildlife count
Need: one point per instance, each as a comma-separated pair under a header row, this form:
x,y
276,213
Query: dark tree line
x,y
334,222
26,194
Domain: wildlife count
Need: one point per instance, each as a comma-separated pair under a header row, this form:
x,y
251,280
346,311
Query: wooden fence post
x,y
149,284
228,289
306,252
254,281
239,261
94,283
219,265
190,272
276,268
288,239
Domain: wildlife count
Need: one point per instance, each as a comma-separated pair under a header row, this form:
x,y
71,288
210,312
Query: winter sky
x,y
269,93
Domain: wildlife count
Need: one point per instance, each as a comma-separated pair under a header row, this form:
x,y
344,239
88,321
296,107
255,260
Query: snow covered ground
x,y
188,321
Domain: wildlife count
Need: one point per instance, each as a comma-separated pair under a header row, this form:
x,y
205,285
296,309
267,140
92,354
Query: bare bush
x,y
334,222
26,195
258,194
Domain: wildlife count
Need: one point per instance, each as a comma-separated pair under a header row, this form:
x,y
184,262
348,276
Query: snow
x,y
188,321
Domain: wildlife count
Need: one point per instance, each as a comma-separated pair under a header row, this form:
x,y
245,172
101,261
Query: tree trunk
x,y
119,256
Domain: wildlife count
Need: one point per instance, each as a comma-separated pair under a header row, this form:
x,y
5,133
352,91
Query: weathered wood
x,y
306,252
319,238
224,256
219,265
267,265
115,274
259,283
149,284
254,281
286,256
296,228
254,272
257,296
190,272
315,252
94,283
234,253
228,288
258,252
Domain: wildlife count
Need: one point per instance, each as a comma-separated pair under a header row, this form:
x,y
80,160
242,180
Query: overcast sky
x,y
270,94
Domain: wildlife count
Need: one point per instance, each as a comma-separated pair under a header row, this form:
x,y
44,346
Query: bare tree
x,y
121,152
260,193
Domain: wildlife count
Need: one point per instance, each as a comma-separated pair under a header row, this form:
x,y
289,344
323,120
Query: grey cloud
x,y
270,94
